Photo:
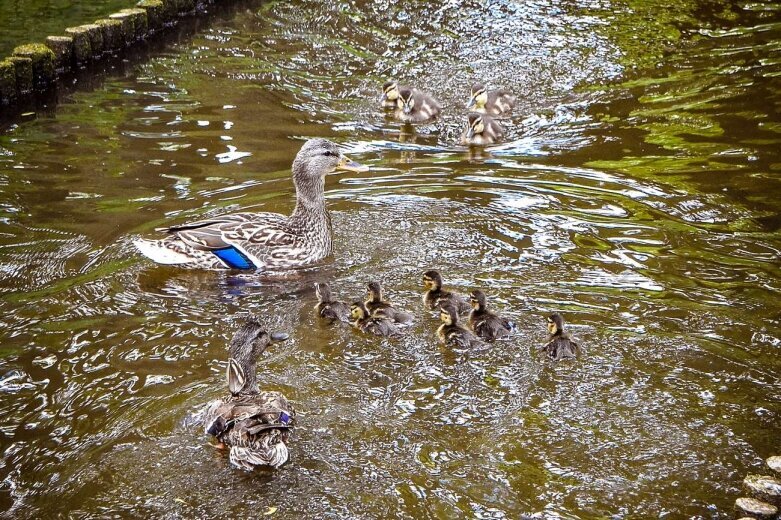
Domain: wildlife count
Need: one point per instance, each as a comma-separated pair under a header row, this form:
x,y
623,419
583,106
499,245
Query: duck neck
x,y
250,378
310,217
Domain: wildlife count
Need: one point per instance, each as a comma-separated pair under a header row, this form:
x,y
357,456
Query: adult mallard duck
x,y
390,94
329,308
262,241
377,325
414,106
377,306
481,130
485,323
560,345
436,296
495,102
255,425
451,333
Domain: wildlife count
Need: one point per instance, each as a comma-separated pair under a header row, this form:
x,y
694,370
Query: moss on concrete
x,y
24,74
113,40
62,47
155,13
139,22
82,48
7,82
42,59
128,29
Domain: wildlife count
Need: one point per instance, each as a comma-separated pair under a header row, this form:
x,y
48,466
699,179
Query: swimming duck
x,y
485,323
495,102
414,106
481,130
329,308
435,296
390,93
451,333
365,322
379,307
254,424
560,345
262,241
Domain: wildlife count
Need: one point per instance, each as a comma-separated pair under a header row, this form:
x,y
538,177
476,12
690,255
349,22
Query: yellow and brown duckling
x,y
451,333
435,296
254,424
484,323
494,102
379,307
365,322
560,346
390,94
329,308
481,130
414,106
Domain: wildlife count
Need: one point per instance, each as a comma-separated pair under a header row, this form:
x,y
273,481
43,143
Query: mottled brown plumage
x,y
254,424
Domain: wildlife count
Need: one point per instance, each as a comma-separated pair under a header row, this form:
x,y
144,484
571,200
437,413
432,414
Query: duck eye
x,y
329,153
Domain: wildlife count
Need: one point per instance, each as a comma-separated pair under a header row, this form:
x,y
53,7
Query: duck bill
x,y
470,133
471,103
351,166
383,98
407,109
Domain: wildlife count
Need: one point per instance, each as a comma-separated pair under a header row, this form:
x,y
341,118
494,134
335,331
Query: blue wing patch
x,y
234,258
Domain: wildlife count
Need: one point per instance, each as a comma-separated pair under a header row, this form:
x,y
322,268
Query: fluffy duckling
x,y
451,333
485,323
381,308
560,346
494,102
435,296
390,94
329,308
365,322
254,424
414,106
481,130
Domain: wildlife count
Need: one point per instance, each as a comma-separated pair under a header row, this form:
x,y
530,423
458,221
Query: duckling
x,y
390,93
262,241
560,345
451,333
377,325
381,308
329,308
254,424
435,296
414,106
495,102
485,323
481,130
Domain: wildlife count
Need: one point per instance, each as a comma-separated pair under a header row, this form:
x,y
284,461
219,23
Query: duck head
x,y
323,292
319,157
390,91
358,311
555,323
248,343
373,292
478,97
478,300
432,280
474,125
406,101
448,315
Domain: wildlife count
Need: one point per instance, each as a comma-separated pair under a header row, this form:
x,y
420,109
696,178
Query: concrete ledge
x,y
82,48
7,82
62,47
42,62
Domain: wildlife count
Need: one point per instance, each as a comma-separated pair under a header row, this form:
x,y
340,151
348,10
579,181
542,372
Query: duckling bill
x,y
560,345
254,424
481,130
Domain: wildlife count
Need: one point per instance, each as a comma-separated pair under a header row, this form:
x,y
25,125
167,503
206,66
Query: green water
x,y
33,20
637,193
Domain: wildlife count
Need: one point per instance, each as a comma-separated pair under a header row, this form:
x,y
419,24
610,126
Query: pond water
x,y
638,194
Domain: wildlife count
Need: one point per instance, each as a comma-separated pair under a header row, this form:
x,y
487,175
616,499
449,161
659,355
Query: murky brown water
x,y
639,195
